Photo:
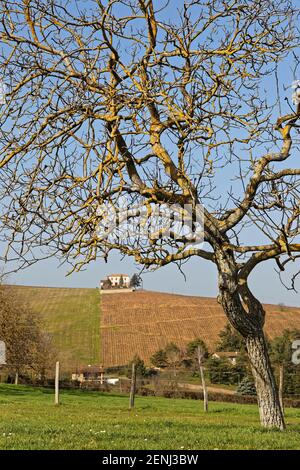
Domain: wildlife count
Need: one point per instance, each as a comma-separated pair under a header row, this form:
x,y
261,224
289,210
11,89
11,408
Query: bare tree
x,y
198,352
29,349
174,357
161,103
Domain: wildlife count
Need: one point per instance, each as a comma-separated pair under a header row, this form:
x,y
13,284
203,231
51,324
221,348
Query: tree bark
x,y
270,410
247,316
16,378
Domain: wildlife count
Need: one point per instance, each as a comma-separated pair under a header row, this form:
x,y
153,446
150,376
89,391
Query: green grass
x,y
72,316
90,420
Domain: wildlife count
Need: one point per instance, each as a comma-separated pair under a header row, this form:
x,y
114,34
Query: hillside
x,y
72,316
143,322
88,328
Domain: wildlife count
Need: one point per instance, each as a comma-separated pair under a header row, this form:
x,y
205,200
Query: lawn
x,y
72,316
91,420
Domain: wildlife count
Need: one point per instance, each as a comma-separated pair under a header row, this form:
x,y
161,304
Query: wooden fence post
x,y
133,387
57,383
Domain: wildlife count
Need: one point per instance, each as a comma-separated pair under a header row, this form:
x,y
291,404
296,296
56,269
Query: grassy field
x,y
72,316
90,420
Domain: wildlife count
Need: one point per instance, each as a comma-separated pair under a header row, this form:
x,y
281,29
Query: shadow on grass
x,y
8,391
19,390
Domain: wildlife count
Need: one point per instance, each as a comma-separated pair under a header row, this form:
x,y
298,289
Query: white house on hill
x,y
115,280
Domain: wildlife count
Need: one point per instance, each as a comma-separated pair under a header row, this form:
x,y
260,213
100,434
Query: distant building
x,y
115,281
231,356
89,374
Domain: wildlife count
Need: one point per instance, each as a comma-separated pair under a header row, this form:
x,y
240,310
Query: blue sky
x,y
200,278
200,274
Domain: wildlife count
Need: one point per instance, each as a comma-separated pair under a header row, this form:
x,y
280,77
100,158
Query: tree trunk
x,y
247,316
16,378
205,397
270,410
280,390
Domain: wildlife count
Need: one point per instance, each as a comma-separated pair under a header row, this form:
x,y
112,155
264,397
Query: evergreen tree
x,y
230,340
246,387
222,372
135,281
160,359
140,367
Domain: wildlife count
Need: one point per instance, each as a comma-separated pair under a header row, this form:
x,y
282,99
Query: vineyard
x,y
90,329
143,322
72,317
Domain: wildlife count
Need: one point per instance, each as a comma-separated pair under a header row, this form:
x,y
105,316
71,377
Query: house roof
x,y
111,275
91,370
226,353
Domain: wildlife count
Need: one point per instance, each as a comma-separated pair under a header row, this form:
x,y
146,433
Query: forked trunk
x,y
270,410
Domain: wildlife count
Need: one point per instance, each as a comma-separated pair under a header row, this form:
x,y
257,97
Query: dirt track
x,y
198,388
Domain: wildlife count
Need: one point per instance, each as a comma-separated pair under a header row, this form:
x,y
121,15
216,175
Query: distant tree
x,y
281,354
107,284
198,352
135,369
218,370
291,383
28,347
221,371
160,359
135,281
45,356
246,387
174,356
230,340
121,281
140,368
